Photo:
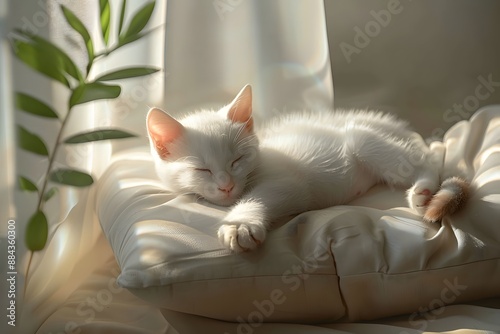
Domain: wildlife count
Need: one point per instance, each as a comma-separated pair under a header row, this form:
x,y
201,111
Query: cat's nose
x,y
227,188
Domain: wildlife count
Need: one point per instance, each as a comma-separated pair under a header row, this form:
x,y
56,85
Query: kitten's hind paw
x,y
241,237
420,195
450,198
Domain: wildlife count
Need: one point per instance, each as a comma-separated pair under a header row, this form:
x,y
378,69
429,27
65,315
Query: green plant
x,y
48,59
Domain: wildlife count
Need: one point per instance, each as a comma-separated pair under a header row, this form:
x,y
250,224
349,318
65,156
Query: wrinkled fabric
x,y
371,259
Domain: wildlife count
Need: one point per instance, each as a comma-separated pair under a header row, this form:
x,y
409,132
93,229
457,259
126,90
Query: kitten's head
x,y
209,153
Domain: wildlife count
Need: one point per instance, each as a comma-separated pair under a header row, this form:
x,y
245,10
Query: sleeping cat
x,y
296,163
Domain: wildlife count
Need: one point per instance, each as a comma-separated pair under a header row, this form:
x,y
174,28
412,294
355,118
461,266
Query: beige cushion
x,y
370,259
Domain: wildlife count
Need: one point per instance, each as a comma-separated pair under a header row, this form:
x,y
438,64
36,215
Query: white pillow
x,y
371,259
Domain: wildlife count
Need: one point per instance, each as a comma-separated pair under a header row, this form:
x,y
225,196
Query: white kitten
x,y
297,162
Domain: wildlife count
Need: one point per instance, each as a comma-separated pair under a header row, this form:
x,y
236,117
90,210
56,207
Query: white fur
x,y
295,163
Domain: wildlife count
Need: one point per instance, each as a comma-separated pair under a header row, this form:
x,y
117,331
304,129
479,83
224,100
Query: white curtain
x,y
216,47
208,50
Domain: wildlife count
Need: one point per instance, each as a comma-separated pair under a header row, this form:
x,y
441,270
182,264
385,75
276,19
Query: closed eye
x,y
203,170
235,161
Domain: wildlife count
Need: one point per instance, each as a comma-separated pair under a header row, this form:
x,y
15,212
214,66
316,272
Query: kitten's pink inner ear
x,y
163,130
240,109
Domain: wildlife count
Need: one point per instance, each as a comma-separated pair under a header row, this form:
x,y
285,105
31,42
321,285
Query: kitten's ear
x,y
240,109
163,130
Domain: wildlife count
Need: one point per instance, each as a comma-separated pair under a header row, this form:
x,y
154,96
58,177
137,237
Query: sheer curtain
x,y
208,50
280,47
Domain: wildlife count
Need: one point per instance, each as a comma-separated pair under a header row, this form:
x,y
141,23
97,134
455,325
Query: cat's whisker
x,y
246,139
246,142
240,131
230,130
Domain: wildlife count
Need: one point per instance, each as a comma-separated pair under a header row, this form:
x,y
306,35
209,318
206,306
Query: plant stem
x,y
51,161
41,194
27,272
106,52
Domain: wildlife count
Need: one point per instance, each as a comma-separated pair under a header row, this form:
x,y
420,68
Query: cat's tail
x,y
450,198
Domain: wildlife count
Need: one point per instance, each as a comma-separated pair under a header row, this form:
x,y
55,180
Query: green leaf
x,y
49,194
93,91
130,39
98,135
34,106
31,142
122,16
139,20
37,231
25,184
71,177
41,60
126,73
76,24
67,64
105,14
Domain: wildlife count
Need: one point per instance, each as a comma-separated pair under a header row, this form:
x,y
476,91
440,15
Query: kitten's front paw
x,y
420,195
241,237
244,227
